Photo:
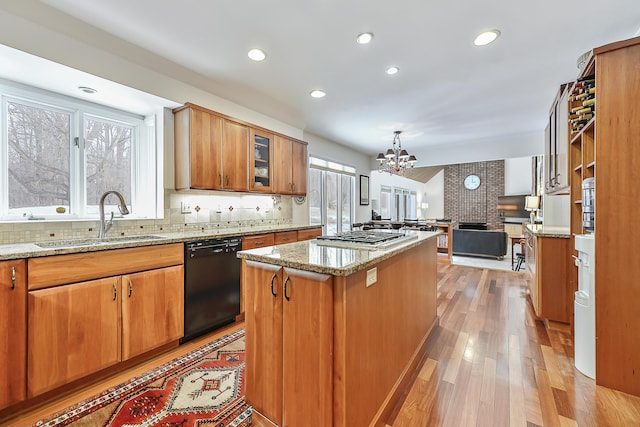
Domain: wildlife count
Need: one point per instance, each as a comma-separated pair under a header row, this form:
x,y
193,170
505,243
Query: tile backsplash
x,y
208,211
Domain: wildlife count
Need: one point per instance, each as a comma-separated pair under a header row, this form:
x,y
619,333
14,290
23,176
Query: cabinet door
x,y
152,309
13,333
531,257
235,156
73,331
562,141
263,323
205,150
282,178
299,168
307,348
261,154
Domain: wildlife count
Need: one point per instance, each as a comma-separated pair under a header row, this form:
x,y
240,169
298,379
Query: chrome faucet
x,y
105,225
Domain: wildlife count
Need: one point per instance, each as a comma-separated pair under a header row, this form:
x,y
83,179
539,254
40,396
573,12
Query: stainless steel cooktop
x,y
371,240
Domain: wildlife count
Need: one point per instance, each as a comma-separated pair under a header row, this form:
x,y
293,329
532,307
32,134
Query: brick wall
x,y
479,205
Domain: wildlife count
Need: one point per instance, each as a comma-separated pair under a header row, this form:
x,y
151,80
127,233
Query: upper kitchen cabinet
x,y
557,145
211,152
261,155
290,175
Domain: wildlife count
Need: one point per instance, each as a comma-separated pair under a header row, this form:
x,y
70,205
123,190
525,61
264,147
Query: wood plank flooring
x,y
491,362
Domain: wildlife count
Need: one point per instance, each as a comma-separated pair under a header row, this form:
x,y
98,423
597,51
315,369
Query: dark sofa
x,y
486,243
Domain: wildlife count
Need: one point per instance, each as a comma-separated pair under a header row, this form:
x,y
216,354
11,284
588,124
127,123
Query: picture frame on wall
x,y
364,190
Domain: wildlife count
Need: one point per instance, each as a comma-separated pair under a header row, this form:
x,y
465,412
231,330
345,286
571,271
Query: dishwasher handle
x,y
205,251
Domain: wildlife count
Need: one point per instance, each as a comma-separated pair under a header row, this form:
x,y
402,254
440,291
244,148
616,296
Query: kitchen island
x,y
333,334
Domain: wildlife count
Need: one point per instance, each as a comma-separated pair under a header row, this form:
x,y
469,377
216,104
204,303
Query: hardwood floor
x,y
492,363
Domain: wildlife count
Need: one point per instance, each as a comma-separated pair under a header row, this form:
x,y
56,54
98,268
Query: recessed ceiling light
x,y
87,89
392,70
364,38
486,37
256,55
318,93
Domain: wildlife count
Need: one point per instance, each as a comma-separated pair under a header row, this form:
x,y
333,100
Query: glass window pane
x,y
314,197
385,204
332,180
347,183
38,159
108,151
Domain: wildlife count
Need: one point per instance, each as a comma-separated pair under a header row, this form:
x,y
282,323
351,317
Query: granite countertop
x,y
337,261
60,247
549,231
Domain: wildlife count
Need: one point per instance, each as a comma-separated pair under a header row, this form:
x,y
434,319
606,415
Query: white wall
x,y
434,190
517,176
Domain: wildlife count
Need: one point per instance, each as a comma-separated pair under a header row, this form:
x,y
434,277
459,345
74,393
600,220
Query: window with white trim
x,y
331,192
59,154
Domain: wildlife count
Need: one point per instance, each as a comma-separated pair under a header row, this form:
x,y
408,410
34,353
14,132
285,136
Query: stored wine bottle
x,y
591,77
589,102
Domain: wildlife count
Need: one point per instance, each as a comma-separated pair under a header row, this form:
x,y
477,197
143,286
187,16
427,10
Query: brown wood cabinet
x,y
445,242
549,288
77,328
283,237
290,158
283,300
13,332
613,143
211,152
557,145
258,241
216,152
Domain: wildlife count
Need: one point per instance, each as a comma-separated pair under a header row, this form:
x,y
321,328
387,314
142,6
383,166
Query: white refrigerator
x,y
585,306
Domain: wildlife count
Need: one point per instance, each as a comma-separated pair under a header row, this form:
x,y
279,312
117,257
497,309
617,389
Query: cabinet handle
x,y
285,289
273,278
115,291
13,277
259,243
130,288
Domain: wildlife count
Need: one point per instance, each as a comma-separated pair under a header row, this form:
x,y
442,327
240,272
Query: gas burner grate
x,y
367,237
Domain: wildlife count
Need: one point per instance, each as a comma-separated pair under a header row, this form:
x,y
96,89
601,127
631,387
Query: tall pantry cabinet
x,y
608,148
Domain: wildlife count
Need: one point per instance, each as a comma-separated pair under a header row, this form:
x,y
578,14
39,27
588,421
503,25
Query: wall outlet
x,y
185,208
372,276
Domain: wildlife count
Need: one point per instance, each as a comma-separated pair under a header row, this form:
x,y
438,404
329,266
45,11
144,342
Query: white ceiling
x,y
448,91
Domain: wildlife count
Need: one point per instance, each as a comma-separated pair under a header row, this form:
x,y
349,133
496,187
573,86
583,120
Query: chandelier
x,y
395,160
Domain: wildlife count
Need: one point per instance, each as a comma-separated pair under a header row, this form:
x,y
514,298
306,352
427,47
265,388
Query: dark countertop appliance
x,y
211,285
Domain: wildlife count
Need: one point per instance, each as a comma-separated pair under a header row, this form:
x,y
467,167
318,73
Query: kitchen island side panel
x,y
378,329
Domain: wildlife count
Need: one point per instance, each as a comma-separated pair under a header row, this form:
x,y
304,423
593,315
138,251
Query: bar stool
x,y
520,256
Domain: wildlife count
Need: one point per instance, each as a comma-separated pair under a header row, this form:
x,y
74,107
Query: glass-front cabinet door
x,y
261,161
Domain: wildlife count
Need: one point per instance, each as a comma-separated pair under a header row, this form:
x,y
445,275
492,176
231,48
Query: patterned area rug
x,y
203,388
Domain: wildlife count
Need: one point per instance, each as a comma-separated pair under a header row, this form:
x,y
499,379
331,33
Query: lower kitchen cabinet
x,y
547,263
152,310
309,234
291,315
77,328
13,343
74,330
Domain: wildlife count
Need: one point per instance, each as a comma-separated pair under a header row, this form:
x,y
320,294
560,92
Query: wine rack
x,y
582,100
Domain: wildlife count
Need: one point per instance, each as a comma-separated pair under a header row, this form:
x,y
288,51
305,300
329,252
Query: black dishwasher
x,y
211,285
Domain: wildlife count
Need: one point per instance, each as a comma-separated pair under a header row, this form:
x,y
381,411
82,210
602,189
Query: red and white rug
x,y
203,388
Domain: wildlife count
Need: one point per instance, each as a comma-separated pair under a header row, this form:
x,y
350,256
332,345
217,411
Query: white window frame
x,y
146,200
330,166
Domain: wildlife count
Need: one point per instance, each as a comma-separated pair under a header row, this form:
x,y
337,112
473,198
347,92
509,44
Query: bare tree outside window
x,y
108,159
38,158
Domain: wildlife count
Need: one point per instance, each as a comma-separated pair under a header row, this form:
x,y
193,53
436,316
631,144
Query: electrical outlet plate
x,y
185,208
372,276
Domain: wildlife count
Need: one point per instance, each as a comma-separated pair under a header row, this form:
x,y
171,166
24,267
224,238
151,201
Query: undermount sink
x,y
95,241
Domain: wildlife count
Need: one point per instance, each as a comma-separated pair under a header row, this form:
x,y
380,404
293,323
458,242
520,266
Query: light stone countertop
x,y
337,261
541,230
32,250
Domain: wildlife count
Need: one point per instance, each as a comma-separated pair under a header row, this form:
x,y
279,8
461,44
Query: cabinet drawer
x,y
258,241
285,237
63,269
309,234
